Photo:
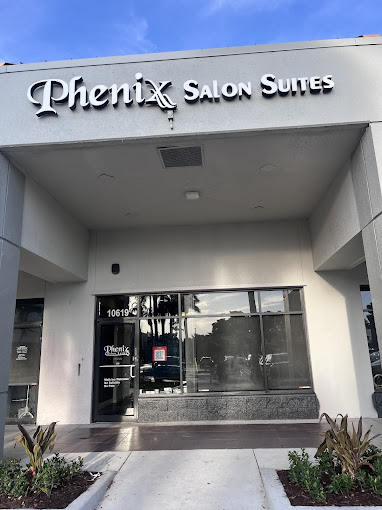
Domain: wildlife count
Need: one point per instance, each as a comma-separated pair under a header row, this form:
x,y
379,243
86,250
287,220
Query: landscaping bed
x,y
345,471
60,497
298,497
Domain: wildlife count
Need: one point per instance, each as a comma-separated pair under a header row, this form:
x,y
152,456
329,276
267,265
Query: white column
x,y
11,211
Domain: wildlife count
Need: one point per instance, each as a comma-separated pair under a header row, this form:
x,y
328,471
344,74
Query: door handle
x,y
131,371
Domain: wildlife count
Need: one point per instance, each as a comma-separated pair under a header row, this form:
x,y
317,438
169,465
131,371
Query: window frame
x,y
181,316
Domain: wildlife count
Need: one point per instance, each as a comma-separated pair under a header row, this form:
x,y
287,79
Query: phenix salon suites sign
x,y
147,92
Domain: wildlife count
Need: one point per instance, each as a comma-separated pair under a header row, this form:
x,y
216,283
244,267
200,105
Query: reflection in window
x,y
222,354
159,305
111,307
371,333
29,310
220,303
286,357
159,356
25,361
272,301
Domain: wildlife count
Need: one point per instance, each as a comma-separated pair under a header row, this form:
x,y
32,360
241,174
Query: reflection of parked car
x,y
274,359
161,370
375,358
206,363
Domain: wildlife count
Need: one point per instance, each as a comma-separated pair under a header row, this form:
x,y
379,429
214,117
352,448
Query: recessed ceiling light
x,y
192,195
268,168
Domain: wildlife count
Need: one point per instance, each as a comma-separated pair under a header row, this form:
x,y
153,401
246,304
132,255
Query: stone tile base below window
x,y
240,407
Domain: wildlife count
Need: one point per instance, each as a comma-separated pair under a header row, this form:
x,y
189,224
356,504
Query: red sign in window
x,y
159,353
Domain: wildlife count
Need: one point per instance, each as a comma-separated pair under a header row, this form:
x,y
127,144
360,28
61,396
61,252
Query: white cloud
x,y
134,36
242,5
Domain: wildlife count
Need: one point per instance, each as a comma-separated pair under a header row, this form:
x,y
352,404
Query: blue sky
x,y
39,30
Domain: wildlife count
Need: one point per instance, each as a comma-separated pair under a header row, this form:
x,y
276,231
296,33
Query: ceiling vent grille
x,y
172,157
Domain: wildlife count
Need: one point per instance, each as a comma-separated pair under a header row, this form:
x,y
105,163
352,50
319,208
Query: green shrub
x,y
14,481
374,482
362,479
10,471
341,484
54,473
326,463
304,474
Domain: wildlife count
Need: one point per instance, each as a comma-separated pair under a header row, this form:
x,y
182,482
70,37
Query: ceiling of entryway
x,y
233,184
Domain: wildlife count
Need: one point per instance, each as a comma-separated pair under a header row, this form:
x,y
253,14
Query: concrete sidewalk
x,y
187,480
190,473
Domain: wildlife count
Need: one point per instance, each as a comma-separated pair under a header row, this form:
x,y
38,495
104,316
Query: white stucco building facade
x,y
280,147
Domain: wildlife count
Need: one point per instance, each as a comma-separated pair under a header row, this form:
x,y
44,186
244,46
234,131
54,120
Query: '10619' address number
x,y
124,312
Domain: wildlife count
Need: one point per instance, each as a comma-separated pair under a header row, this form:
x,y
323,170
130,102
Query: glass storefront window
x,y
25,361
29,310
220,303
222,354
115,307
286,357
371,333
159,356
272,301
159,305
225,341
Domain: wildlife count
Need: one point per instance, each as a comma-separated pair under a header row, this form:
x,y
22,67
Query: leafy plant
x,y
44,439
54,473
9,469
325,462
375,483
304,474
349,448
341,484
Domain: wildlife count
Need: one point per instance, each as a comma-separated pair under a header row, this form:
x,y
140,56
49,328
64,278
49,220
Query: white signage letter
x,y
47,96
81,92
191,90
115,92
97,96
268,82
327,83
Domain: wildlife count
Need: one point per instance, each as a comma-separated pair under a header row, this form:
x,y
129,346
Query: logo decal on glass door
x,y
112,350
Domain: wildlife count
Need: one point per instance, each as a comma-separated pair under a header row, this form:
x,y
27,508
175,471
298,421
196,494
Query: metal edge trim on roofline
x,y
189,54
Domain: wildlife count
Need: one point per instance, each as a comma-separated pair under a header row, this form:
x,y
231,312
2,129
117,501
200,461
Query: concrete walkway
x,y
177,467
187,480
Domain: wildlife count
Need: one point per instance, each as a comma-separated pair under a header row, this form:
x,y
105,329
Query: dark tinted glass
x,y
286,360
24,374
117,370
159,305
30,310
159,356
220,303
112,307
222,354
25,358
294,300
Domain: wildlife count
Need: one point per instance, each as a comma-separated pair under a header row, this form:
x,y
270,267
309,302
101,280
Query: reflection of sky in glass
x,y
366,298
272,301
164,326
220,303
200,326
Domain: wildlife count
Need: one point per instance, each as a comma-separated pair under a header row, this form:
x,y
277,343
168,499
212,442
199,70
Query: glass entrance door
x,y
115,371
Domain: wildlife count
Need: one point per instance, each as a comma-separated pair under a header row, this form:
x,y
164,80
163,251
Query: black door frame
x,y
113,322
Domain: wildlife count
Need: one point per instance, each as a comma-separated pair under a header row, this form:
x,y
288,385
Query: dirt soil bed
x,y
60,498
298,497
